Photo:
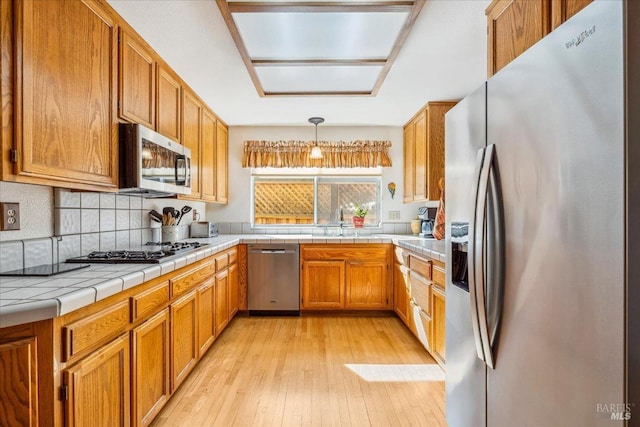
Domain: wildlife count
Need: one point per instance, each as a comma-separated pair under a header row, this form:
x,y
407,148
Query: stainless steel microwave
x,y
152,164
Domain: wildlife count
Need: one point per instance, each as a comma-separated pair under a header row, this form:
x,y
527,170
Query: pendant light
x,y
316,152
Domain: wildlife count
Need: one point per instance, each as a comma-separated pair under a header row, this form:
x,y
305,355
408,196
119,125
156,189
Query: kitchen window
x,y
313,200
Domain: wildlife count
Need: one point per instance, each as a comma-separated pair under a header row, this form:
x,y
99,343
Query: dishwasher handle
x,y
273,251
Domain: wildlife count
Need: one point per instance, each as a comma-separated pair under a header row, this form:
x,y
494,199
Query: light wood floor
x,y
290,371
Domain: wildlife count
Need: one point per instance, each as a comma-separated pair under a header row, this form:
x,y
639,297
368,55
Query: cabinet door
x,y
19,387
222,301
561,10
168,103
233,290
98,387
222,159
184,334
438,341
435,147
150,368
409,162
420,157
322,285
208,161
191,138
206,313
66,84
137,81
366,285
513,27
400,292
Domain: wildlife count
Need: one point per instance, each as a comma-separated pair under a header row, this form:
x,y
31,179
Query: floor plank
x,y
290,371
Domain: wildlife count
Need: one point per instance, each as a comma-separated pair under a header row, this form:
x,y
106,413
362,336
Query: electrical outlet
x,y
10,213
394,214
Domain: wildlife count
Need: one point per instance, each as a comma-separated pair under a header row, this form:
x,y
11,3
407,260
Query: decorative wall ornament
x,y
335,154
392,188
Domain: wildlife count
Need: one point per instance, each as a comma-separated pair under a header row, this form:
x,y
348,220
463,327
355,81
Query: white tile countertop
x,y
30,299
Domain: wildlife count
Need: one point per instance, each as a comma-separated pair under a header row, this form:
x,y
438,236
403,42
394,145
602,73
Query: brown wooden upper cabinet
x,y
208,160
192,138
561,10
137,80
64,123
222,161
424,152
516,25
169,95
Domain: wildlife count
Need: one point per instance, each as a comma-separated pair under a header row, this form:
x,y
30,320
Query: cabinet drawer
x,y
190,279
83,334
438,274
420,266
146,302
401,256
222,261
420,291
233,256
425,323
344,252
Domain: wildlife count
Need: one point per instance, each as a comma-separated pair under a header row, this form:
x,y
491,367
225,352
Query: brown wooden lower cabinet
x,y
98,387
346,277
400,292
438,323
366,285
117,362
234,290
184,336
322,285
150,368
19,387
222,301
206,315
420,300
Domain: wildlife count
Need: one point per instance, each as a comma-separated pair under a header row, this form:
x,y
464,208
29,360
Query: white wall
x,y
36,210
238,209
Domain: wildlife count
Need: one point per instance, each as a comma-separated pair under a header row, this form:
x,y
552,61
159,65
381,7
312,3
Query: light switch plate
x,y
10,213
394,214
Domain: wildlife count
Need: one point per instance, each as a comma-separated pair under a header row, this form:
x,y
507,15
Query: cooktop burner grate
x,y
155,253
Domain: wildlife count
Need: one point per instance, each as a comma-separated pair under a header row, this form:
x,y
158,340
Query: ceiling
x,y
443,58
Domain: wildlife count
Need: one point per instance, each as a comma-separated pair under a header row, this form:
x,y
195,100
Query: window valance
x,y
335,154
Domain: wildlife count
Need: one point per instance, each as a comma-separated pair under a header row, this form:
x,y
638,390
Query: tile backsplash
x,y
85,222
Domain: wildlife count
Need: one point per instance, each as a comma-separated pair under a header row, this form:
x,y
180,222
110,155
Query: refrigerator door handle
x,y
480,243
472,256
495,262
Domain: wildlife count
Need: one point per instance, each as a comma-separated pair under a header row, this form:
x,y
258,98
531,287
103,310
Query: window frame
x,y
317,179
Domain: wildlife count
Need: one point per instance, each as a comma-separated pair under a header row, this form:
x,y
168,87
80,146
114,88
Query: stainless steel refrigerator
x,y
543,205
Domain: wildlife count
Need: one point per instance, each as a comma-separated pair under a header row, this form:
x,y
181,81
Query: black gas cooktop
x,y
151,253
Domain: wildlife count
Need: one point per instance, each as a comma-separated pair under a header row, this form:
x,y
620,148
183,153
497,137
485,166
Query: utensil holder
x,y
173,233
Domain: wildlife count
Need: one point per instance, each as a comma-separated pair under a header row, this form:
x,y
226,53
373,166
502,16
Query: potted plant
x,y
358,219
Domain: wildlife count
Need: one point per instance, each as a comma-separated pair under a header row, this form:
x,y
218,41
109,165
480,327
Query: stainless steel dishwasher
x,y
274,279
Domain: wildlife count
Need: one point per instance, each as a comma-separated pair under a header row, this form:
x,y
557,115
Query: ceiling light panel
x,y
306,47
328,79
319,35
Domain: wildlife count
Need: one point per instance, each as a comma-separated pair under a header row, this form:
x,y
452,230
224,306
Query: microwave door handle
x,y
180,160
